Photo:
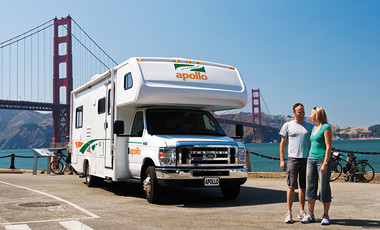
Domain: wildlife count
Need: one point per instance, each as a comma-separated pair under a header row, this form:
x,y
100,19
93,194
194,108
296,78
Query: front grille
x,y
209,155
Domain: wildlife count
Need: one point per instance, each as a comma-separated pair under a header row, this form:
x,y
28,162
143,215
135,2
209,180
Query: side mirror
x,y
118,127
239,131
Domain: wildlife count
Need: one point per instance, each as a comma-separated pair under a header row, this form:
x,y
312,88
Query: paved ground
x,y
64,202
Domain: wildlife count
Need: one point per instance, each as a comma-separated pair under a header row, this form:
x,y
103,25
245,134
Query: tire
x,y
336,170
230,192
91,181
151,186
56,167
365,172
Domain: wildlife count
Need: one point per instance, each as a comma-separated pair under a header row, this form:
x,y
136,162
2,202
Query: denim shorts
x,y
296,170
315,178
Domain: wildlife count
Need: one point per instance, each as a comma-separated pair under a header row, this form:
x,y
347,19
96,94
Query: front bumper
x,y
194,177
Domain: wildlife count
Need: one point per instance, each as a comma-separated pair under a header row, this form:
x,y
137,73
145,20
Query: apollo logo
x,y
198,69
194,68
136,151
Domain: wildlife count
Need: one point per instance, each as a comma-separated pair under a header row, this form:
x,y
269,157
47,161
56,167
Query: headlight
x,y
167,156
242,156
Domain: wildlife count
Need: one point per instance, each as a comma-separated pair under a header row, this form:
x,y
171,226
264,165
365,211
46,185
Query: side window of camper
x,y
109,101
102,105
138,125
128,83
79,117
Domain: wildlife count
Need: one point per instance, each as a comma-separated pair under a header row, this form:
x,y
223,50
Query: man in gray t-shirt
x,y
297,134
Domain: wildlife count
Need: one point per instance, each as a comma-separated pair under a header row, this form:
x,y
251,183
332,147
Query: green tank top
x,y
68,150
317,143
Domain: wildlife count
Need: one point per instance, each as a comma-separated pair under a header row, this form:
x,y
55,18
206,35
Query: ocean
x,y
258,164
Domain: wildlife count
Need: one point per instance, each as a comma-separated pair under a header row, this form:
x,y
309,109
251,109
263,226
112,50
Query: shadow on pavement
x,y
355,222
202,197
124,189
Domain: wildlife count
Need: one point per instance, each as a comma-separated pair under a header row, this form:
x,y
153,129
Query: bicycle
x,y
56,166
356,171
337,168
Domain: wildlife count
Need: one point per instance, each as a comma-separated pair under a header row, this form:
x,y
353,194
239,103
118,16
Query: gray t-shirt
x,y
298,138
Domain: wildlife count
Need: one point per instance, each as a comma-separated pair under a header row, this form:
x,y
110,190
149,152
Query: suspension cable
x,y
24,36
25,70
265,103
17,72
31,68
10,71
94,43
26,32
38,66
90,51
44,63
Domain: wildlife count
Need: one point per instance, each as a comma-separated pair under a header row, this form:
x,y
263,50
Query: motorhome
x,y
151,119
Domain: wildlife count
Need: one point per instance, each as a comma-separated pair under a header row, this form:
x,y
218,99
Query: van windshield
x,y
174,121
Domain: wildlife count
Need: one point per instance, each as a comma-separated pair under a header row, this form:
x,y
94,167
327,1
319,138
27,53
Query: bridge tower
x,y
256,115
62,84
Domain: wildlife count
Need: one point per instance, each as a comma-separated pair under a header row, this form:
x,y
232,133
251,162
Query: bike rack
x,y
42,153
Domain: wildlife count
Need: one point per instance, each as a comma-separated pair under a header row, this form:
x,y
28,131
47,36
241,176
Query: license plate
x,y
211,181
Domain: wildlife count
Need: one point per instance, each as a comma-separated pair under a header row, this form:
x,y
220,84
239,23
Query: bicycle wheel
x,y
336,170
365,172
56,167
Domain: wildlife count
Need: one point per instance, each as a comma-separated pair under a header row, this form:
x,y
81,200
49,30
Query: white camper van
x,y
151,119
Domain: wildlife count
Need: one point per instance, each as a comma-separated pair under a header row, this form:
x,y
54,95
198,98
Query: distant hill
x,y
339,132
25,129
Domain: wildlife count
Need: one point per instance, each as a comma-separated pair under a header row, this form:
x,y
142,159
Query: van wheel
x,y
230,192
91,181
151,186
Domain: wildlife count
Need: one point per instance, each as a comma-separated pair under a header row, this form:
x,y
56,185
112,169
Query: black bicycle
x,y
56,166
355,171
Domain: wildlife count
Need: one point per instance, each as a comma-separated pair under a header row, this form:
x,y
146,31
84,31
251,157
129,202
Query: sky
x,y
320,53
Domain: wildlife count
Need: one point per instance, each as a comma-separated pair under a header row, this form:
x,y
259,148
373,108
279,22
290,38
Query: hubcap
x,y
147,185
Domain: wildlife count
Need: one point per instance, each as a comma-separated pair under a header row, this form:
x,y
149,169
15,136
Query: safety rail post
x,y
248,161
49,160
35,164
12,166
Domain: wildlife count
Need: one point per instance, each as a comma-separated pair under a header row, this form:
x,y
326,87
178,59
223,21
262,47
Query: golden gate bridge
x,y
40,67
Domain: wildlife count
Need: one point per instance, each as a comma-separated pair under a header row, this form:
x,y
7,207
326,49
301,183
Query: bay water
x,y
258,164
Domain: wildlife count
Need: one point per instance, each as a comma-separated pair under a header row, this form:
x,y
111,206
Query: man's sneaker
x,y
308,219
301,214
288,218
325,220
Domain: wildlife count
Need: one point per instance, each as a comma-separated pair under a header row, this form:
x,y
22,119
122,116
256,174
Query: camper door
x,y
135,144
107,126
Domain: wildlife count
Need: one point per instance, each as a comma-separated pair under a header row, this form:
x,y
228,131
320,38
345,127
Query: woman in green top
x,y
318,169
